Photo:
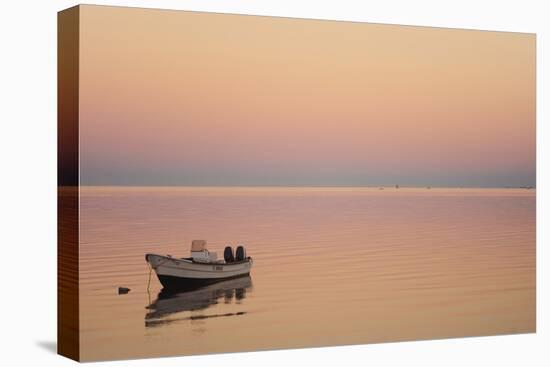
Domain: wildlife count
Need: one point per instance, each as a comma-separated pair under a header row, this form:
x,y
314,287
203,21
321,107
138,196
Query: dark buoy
x,y
123,290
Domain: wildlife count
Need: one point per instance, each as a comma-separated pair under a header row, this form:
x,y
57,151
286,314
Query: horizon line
x,y
398,186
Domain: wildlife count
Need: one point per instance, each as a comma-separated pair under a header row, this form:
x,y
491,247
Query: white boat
x,y
201,268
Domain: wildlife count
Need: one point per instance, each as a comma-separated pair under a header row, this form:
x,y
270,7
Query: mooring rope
x,y
149,281
151,267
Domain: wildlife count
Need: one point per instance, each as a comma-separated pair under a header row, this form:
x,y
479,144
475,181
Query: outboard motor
x,y
228,254
241,253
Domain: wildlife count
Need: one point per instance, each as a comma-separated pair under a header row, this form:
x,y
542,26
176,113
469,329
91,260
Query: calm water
x,y
332,266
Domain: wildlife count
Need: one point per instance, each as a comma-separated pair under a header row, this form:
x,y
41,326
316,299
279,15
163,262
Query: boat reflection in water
x,y
161,311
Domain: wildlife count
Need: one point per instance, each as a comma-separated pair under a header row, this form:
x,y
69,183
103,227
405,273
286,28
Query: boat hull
x,y
184,274
180,283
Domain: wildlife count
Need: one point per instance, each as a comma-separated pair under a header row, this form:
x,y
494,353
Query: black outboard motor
x,y
228,254
241,254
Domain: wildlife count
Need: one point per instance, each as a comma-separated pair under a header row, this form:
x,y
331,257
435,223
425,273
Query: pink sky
x,y
184,98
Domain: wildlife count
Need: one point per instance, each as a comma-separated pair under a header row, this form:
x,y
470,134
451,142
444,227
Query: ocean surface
x,y
332,266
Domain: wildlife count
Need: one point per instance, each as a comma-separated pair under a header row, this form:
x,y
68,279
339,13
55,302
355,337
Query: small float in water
x,y
202,268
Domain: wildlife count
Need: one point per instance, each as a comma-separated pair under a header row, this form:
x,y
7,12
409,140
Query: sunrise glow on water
x,y
331,266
